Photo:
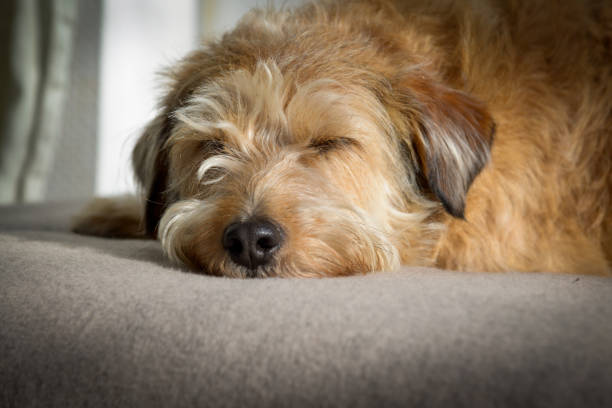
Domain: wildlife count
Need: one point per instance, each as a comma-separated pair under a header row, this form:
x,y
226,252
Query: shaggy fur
x,y
364,130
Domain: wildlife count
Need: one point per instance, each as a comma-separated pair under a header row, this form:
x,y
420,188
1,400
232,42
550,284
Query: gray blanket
x,y
92,322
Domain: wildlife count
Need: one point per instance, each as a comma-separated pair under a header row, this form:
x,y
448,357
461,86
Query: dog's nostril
x,y
266,236
266,243
234,245
252,243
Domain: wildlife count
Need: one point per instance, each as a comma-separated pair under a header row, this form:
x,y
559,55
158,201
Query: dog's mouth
x,y
235,270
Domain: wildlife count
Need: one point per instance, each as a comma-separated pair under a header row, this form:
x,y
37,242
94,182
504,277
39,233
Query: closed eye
x,y
326,145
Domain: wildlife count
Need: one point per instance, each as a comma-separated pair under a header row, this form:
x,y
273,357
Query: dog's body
x,y
343,138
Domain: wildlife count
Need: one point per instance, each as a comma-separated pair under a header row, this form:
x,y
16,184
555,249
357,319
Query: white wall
x,y
139,37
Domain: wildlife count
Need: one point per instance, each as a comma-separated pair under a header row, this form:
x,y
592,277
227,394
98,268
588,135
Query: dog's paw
x,y
117,217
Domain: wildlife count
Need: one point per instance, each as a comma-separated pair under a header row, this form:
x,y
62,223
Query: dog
x,y
345,137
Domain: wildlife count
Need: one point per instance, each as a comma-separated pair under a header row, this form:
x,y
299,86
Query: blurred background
x,y
78,82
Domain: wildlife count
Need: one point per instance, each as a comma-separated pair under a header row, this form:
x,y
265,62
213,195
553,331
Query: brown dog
x,y
343,138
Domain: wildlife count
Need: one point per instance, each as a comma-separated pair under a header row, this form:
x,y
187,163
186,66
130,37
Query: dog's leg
x,y
117,217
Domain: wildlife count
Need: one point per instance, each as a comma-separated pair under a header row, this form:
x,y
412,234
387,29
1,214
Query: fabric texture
x,y
94,322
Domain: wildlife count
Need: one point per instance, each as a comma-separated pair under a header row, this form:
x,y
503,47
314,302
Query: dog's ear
x,y
150,155
150,163
451,135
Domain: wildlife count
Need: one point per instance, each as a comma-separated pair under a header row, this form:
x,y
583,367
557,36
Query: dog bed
x,y
87,321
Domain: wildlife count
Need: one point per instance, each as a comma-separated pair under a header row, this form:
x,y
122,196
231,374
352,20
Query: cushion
x,y
87,321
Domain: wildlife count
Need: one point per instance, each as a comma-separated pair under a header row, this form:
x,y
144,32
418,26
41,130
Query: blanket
x,y
86,321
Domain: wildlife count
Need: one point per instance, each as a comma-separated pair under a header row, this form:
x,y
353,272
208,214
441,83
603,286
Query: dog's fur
x,y
358,127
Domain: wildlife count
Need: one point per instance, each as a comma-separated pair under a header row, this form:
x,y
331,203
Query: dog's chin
x,y
335,243
282,268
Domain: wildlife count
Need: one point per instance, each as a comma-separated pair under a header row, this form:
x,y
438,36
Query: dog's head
x,y
279,155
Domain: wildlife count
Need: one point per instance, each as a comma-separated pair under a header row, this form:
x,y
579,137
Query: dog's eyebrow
x,y
329,143
213,145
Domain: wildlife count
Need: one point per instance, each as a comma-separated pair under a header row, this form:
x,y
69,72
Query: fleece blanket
x,y
87,321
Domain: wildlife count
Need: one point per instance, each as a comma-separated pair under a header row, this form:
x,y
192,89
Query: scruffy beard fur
x,y
360,135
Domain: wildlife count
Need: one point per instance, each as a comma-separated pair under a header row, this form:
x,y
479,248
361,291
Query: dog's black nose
x,y
252,243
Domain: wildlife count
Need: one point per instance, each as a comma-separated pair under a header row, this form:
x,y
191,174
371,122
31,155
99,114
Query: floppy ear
x,y
451,135
150,155
150,163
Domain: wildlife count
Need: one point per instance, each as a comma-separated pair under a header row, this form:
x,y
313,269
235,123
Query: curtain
x,y
37,67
